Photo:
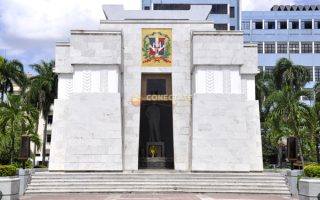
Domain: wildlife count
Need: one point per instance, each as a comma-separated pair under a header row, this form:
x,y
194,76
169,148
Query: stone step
x,y
269,174
157,178
162,190
114,184
242,183
61,181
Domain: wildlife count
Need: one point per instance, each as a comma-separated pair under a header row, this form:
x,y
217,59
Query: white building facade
x,y
156,73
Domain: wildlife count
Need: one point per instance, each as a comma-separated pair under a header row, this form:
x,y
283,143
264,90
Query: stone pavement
x,y
149,196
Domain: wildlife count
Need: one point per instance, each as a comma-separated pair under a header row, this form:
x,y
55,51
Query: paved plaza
x,y
152,197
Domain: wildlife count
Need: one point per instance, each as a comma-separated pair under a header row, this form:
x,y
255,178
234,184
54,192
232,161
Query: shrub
x,y
19,164
312,171
7,170
40,166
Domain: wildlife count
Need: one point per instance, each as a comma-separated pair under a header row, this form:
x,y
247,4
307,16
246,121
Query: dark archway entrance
x,y
156,129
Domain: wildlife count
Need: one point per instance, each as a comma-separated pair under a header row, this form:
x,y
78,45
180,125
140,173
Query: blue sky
x,y
30,28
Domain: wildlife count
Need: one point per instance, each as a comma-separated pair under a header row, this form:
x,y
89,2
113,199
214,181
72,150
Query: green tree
x,y
288,74
313,128
314,120
42,92
11,71
288,116
17,118
264,87
282,113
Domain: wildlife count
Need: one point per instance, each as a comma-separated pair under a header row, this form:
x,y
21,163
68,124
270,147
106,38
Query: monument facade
x,y
156,89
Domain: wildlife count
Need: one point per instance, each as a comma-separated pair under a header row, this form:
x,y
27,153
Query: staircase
x,y
157,182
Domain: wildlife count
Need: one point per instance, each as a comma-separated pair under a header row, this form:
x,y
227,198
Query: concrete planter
x,y
309,189
9,186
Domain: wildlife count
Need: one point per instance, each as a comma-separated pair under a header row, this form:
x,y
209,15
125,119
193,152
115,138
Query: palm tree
x,y
288,115
264,87
17,118
317,92
42,92
314,119
286,73
11,71
313,126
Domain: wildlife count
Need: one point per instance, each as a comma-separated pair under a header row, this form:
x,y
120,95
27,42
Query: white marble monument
x,y
97,116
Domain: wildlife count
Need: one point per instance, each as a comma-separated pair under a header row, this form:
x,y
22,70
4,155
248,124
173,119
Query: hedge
x,y
40,166
7,170
312,171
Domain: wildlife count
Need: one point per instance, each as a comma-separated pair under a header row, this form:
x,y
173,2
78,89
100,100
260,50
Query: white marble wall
x,y
225,116
217,79
87,133
96,126
87,122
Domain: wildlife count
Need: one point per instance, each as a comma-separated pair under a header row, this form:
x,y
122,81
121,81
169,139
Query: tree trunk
x,y
35,148
300,151
12,151
279,157
44,140
317,149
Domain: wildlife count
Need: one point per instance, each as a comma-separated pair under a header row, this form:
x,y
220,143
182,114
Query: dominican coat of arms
x,y
157,47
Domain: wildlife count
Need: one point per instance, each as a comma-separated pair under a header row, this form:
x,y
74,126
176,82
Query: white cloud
x,y
29,28
52,19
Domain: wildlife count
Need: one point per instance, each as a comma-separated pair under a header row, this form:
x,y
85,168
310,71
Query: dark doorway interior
x,y
156,129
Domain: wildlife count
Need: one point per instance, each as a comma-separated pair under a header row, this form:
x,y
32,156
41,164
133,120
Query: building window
x,y
282,25
246,25
306,47
260,68
221,27
294,47
48,138
317,47
171,7
294,24
232,14
317,25
317,74
232,28
307,98
269,48
310,70
270,25
282,47
269,70
257,25
147,7
306,25
260,47
219,9
50,118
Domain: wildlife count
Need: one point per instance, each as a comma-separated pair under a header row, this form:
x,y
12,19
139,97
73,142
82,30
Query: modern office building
x,y
41,125
226,14
285,31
